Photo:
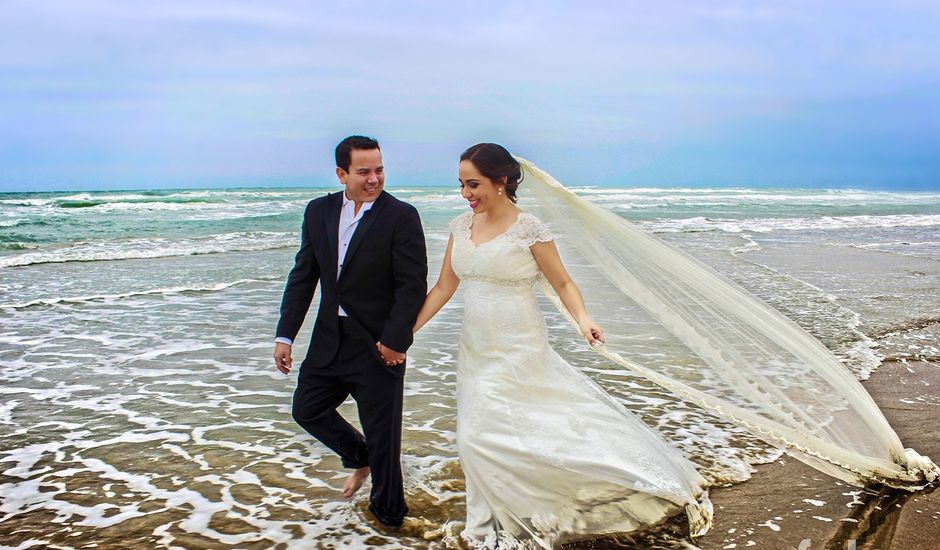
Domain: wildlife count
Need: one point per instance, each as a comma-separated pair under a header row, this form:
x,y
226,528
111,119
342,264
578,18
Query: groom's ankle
x,y
391,521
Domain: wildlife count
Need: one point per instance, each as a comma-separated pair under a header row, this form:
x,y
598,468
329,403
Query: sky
x,y
101,94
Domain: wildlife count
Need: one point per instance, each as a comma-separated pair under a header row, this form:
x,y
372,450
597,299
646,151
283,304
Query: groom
x,y
366,250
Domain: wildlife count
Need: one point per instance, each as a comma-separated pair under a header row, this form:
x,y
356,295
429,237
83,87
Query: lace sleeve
x,y
529,230
460,224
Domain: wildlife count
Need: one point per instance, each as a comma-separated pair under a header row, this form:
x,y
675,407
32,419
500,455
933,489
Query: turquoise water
x,y
139,404
39,221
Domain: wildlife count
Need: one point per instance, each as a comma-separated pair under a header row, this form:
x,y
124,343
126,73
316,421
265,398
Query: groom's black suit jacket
x,y
382,284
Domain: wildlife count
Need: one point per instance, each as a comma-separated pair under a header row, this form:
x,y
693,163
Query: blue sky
x,y
98,94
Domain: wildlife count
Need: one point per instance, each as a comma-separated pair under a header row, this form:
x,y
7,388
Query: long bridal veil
x,y
753,367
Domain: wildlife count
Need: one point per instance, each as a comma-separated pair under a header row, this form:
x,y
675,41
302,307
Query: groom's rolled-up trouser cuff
x,y
355,458
389,519
355,463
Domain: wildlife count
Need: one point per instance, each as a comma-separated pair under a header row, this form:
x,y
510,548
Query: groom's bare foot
x,y
355,481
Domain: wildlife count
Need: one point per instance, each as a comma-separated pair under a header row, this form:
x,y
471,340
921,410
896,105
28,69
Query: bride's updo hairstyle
x,y
495,162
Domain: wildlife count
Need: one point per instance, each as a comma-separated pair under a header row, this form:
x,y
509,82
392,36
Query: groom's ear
x,y
341,174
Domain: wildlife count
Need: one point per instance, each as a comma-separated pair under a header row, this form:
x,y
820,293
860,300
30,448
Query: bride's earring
x,y
499,191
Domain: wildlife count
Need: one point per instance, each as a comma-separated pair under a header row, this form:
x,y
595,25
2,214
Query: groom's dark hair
x,y
345,148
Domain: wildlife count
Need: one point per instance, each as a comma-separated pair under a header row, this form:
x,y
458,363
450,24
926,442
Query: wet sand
x,y
788,505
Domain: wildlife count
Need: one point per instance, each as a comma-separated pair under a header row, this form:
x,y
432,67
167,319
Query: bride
x,y
545,451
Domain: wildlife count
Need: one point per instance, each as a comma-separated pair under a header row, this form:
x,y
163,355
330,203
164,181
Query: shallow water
x,y
139,406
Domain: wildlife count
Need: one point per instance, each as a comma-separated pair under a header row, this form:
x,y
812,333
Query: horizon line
x,y
886,188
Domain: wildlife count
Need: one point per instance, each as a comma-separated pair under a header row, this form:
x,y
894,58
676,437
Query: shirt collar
x,y
347,201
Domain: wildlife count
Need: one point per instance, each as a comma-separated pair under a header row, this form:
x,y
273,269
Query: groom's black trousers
x,y
357,370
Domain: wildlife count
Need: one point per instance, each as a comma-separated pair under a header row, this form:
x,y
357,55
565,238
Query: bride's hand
x,y
592,332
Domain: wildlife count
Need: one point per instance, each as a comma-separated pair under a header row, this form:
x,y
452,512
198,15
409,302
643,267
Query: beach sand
x,y
787,504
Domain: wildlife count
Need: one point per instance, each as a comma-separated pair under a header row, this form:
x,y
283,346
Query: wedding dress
x,y
546,452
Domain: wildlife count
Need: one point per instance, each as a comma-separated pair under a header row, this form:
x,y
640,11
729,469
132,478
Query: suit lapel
x,y
333,210
364,224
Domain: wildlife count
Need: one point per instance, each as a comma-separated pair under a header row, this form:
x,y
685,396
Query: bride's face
x,y
479,191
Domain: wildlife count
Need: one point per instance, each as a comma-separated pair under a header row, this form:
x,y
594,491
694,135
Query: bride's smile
x,y
481,193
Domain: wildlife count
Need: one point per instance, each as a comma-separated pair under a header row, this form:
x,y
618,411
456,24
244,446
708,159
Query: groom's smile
x,y
366,176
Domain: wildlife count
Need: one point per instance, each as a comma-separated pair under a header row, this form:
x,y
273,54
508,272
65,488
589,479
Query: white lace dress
x,y
545,451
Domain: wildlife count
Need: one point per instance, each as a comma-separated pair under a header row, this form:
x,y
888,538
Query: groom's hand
x,y
390,356
282,359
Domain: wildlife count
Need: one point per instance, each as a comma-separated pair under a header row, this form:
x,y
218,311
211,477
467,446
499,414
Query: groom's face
x,y
366,176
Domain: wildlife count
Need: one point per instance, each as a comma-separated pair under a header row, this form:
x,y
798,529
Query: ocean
x,y
140,406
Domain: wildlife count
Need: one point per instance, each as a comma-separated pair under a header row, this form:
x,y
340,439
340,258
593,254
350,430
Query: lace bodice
x,y
504,260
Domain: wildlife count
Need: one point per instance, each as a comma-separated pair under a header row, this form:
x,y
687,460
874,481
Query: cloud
x,y
247,84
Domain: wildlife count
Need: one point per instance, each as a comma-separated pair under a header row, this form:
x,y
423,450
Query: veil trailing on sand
x,y
753,367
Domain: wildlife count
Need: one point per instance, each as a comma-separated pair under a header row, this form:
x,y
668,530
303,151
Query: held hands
x,y
283,361
390,356
591,332
282,358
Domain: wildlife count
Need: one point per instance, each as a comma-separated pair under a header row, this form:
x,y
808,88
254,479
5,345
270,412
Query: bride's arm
x,y
442,291
546,255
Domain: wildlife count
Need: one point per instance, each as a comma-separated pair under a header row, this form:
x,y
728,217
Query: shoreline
x,y
787,504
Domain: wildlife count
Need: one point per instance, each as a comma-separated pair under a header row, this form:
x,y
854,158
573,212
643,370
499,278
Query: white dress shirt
x,y
348,222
